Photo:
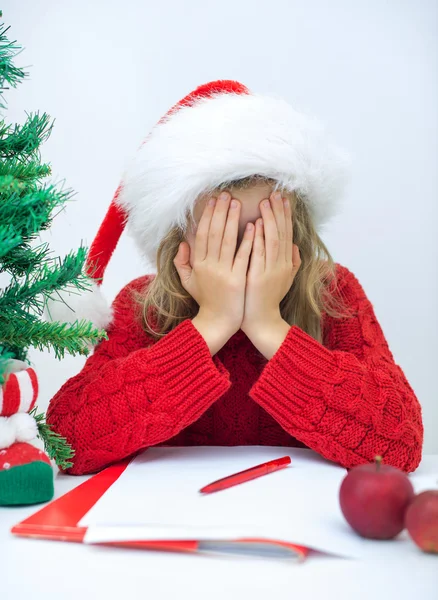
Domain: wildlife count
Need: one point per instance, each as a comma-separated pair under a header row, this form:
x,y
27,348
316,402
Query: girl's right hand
x,y
217,279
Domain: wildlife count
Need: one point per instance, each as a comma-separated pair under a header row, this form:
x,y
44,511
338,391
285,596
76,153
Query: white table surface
x,y
41,569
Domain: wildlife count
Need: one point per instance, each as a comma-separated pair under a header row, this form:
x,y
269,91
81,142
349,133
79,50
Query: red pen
x,y
247,475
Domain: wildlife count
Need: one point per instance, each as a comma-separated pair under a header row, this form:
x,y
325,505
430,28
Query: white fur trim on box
x,y
223,138
20,427
90,305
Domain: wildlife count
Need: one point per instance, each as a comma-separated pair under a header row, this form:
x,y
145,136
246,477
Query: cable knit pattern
x,y
345,398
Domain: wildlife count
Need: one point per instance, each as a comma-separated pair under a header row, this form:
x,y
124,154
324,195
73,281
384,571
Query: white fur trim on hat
x,y
223,138
20,427
90,305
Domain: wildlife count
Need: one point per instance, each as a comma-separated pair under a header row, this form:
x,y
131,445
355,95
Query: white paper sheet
x,y
157,498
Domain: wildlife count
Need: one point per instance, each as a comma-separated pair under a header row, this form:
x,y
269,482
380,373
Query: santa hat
x,y
220,132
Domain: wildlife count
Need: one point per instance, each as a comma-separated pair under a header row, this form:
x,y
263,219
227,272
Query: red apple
x,y
421,520
374,498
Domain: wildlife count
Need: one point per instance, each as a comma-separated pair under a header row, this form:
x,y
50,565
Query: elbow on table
x,y
405,456
401,455
88,463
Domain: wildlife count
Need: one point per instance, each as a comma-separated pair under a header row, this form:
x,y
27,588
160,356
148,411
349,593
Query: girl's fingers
x,y
272,242
229,242
258,256
277,206
217,226
201,243
289,230
241,259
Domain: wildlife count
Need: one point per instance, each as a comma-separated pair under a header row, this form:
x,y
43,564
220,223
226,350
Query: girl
x,y
248,333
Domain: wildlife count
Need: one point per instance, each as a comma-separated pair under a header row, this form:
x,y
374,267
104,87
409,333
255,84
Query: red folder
x,y
59,520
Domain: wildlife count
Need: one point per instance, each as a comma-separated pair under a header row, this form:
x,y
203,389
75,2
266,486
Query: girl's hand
x,y
218,278
275,261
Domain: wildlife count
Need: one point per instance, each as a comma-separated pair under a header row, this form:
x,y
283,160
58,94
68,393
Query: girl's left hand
x,y
275,261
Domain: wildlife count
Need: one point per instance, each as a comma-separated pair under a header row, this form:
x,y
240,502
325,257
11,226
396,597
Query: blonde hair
x,y
165,303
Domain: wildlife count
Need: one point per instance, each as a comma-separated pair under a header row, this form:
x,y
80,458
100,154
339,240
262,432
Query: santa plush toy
x,y
26,473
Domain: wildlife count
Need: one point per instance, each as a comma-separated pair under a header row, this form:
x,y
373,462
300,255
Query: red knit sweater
x,y
346,399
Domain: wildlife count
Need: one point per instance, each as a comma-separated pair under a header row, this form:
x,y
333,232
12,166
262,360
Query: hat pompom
x,y
90,305
20,427
7,432
25,427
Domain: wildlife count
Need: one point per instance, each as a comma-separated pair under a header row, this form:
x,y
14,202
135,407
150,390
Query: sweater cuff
x,y
296,372
192,378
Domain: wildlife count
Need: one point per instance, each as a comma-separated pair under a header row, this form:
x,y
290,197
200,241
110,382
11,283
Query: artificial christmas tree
x,y
31,278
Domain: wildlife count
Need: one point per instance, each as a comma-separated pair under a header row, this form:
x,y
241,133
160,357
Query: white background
x,y
107,71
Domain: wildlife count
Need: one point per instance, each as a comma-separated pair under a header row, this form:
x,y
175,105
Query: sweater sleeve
x,y
346,399
134,392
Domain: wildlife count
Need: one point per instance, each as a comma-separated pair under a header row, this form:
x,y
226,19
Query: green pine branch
x,y
18,353
23,258
15,174
5,356
9,239
73,338
31,212
55,445
39,286
24,140
9,73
